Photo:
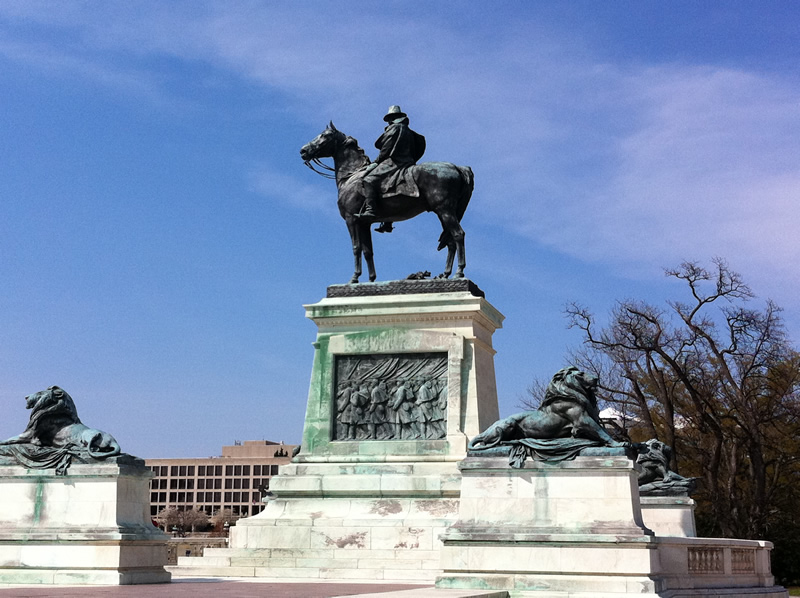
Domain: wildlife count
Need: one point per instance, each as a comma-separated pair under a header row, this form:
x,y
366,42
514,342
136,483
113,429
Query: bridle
x,y
325,169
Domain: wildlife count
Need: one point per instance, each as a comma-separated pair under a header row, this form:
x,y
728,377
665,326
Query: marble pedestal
x,y
91,526
669,515
366,507
575,529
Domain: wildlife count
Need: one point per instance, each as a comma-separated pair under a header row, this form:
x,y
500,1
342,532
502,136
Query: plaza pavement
x,y
189,587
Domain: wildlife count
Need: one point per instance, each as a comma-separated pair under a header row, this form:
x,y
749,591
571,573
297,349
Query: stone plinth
x,y
669,515
575,529
457,325
371,504
91,526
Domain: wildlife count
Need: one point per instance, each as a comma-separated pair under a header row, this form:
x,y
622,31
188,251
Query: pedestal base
x,y
575,529
366,522
669,515
91,526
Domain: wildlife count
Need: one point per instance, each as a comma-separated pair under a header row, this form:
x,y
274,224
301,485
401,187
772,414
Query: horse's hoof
x,y
353,280
458,275
443,275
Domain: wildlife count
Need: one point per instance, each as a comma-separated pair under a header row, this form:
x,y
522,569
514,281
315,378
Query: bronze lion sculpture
x,y
54,423
569,409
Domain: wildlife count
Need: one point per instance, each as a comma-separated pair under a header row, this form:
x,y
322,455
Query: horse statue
x,y
444,189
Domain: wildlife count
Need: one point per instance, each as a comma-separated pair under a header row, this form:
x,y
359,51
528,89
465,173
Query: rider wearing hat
x,y
399,147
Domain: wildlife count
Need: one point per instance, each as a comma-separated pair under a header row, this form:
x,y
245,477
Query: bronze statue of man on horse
x,y
393,188
399,147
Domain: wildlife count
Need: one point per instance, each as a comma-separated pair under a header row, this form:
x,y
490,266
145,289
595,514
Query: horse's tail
x,y
468,178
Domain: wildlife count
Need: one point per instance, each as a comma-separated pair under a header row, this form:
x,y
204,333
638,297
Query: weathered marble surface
x,y
669,515
369,508
576,528
90,526
457,325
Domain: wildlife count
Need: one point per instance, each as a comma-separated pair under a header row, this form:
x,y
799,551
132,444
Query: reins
x,y
323,166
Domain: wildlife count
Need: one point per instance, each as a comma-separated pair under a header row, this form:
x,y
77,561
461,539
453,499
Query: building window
x,y
218,470
228,496
217,497
228,483
154,497
190,484
246,484
274,470
162,497
173,484
229,470
201,470
182,484
237,470
163,471
256,496
190,471
154,484
190,497
173,497
201,484
173,471
237,484
153,511
182,471
181,497
256,470
246,470
237,497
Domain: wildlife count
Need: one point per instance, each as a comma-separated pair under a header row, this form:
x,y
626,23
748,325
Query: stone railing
x,y
715,562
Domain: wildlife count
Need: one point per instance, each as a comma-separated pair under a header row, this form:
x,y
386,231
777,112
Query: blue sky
x,y
159,232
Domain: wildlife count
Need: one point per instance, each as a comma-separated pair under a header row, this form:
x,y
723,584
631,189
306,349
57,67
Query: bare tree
x,y
715,379
182,521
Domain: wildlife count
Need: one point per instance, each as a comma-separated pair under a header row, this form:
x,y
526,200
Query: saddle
x,y
400,182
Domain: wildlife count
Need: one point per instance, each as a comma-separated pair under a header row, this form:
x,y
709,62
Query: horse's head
x,y
323,145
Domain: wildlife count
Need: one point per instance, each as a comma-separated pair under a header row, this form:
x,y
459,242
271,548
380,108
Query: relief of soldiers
x,y
441,408
403,403
399,147
426,403
351,413
378,424
343,409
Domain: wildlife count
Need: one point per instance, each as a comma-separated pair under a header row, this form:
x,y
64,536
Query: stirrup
x,y
385,227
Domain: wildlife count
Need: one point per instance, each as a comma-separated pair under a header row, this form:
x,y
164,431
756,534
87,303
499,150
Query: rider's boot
x,y
370,197
385,227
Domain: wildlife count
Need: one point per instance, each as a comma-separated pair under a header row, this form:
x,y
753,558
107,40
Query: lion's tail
x,y
103,450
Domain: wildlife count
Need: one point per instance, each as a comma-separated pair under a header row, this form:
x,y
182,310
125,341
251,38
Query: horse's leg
x,y
453,228
352,228
451,254
365,234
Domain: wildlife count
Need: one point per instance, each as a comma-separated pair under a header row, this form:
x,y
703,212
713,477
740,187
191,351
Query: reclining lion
x,y
54,423
569,410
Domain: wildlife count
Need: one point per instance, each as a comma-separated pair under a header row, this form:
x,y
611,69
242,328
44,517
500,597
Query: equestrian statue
x,y
393,188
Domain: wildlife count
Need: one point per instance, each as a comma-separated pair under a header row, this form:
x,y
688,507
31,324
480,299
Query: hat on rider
x,y
394,113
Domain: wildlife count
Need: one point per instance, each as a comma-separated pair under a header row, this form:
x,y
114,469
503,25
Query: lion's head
x,y
48,404
572,383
